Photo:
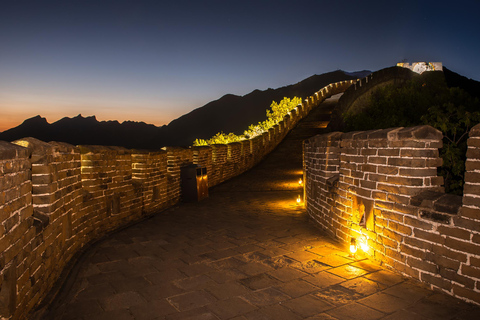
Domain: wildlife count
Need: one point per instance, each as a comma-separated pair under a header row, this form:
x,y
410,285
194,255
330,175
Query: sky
x,y
153,61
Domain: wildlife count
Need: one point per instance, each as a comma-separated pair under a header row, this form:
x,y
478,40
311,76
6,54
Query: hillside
x,y
230,113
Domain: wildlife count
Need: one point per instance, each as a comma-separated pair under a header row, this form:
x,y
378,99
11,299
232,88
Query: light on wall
x,y
300,182
299,199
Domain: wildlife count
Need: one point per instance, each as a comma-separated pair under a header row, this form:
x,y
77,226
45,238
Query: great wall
x,y
379,186
56,198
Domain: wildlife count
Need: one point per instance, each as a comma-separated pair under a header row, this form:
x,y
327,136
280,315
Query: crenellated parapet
x,y
381,188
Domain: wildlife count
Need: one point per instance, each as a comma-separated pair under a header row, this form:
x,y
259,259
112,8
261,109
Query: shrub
x,y
275,114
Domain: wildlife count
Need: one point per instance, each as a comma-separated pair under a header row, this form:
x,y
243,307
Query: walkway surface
x,y
246,252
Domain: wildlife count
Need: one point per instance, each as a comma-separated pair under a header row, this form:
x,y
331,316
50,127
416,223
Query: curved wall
x,y
57,198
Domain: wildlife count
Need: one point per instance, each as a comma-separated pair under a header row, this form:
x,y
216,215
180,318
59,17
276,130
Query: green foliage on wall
x,y
425,100
275,114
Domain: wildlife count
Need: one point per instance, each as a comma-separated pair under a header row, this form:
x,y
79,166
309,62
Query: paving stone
x,y
259,281
302,256
409,291
265,297
347,271
385,277
322,316
130,284
404,314
297,288
113,315
286,274
160,277
272,312
122,300
191,300
230,308
196,269
337,295
254,268
151,311
363,286
194,283
223,276
227,290
384,302
194,314
307,305
323,279
355,311
161,291
333,260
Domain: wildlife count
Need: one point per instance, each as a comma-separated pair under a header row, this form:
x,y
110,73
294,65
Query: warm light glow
x,y
364,244
300,182
353,246
299,200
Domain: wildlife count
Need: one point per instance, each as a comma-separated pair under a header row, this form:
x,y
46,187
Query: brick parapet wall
x,y
56,198
389,178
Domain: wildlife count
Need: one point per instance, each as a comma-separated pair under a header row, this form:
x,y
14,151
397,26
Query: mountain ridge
x,y
229,113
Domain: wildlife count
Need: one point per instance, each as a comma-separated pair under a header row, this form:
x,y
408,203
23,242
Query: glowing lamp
x,y
300,182
299,200
353,246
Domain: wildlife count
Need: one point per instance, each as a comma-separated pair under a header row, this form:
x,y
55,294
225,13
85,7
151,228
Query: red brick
x,y
411,251
419,243
454,232
400,228
467,223
413,172
405,181
463,246
416,223
446,252
466,293
422,265
436,281
454,276
429,236
403,162
472,213
471,271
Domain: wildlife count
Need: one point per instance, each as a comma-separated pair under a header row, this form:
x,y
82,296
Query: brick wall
x,y
56,198
382,187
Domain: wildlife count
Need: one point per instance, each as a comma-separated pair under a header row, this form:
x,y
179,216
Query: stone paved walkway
x,y
246,252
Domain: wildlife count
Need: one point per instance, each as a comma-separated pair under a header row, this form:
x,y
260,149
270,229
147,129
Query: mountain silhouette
x,y
230,113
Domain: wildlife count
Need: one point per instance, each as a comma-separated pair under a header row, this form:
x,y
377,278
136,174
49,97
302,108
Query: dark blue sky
x,y
152,61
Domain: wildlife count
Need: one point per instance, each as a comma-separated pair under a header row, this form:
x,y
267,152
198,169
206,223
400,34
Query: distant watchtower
x,y
420,67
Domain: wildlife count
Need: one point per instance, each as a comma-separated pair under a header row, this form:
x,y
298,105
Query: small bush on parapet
x,y
275,114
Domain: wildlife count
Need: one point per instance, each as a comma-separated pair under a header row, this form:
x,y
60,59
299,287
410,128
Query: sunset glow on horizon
x,y
153,62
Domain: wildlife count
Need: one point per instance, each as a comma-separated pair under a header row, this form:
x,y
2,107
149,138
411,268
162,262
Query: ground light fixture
x,y
362,242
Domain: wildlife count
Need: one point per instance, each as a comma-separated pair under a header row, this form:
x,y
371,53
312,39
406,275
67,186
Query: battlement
x,y
381,187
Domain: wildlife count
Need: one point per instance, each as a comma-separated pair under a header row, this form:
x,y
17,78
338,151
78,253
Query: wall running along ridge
x,y
382,186
57,198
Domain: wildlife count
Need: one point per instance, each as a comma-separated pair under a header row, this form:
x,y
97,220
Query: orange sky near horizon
x,y
13,113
